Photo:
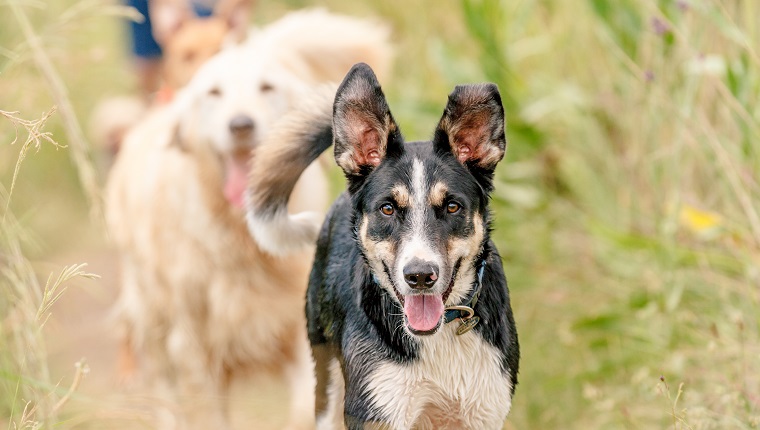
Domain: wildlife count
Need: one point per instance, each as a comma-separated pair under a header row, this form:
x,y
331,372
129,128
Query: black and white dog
x,y
408,309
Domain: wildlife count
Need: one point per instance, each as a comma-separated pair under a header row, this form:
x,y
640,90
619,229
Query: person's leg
x,y
149,76
145,51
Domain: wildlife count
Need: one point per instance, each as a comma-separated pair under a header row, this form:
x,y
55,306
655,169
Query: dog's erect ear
x,y
236,14
364,129
167,17
472,126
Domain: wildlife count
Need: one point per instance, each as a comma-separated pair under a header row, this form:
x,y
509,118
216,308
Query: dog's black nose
x,y
420,274
241,126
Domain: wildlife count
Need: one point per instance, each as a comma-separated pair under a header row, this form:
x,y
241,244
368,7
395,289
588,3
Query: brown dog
x,y
201,303
188,41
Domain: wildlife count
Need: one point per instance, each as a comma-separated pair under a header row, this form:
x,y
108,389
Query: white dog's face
x,y
232,102
235,97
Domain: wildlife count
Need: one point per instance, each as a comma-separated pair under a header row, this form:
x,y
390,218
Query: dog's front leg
x,y
301,382
201,386
359,415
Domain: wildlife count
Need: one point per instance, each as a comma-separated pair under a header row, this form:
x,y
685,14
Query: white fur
x,y
266,75
336,392
197,296
456,383
417,246
230,85
200,301
284,233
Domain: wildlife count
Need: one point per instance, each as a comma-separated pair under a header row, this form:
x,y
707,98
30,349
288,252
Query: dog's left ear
x,y
472,126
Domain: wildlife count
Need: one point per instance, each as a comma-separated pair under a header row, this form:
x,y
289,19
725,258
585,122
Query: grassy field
x,y
627,211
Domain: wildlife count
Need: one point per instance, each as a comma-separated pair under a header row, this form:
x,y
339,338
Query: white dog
x,y
201,303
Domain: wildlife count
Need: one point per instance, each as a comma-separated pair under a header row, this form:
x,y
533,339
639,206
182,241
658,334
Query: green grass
x,y
627,209
644,251
30,399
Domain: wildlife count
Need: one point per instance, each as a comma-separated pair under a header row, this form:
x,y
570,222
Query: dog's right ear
x,y
472,127
364,129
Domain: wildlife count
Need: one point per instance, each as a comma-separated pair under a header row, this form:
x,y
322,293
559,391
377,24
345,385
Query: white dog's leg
x,y
201,386
300,377
333,418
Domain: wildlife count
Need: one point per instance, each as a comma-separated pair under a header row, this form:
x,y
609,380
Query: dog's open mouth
x,y
235,180
423,313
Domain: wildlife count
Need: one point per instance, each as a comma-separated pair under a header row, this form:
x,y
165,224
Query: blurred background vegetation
x,y
627,211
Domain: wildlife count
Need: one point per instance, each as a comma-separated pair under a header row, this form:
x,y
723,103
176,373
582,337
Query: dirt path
x,y
80,328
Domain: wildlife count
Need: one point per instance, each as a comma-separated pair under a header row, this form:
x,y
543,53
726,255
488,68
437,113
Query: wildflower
x,y
659,26
698,221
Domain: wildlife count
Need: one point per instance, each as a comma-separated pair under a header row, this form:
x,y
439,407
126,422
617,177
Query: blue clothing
x,y
143,43
201,10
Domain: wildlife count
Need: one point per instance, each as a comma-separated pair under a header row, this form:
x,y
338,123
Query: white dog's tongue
x,y
423,312
235,181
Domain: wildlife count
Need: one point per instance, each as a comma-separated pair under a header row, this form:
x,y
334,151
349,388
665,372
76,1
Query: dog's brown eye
x,y
266,87
453,207
387,209
215,91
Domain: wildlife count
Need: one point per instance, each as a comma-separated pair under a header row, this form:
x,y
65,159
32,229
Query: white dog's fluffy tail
x,y
286,151
318,47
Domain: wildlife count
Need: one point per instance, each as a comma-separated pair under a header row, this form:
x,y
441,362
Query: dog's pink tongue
x,y
235,182
423,312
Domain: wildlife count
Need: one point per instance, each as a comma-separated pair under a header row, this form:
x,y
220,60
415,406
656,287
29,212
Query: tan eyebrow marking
x,y
437,194
401,194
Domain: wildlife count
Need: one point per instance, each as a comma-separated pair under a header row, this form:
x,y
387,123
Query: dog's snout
x,y
420,274
241,125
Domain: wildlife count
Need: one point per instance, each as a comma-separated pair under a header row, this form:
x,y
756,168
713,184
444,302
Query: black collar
x,y
465,312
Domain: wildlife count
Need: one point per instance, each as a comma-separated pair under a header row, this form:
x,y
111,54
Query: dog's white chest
x,y
456,383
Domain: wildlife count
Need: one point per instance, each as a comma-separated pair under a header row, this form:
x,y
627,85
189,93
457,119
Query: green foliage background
x,y
626,209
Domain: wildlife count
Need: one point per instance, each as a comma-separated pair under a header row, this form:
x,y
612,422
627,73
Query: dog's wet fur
x,y
404,241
